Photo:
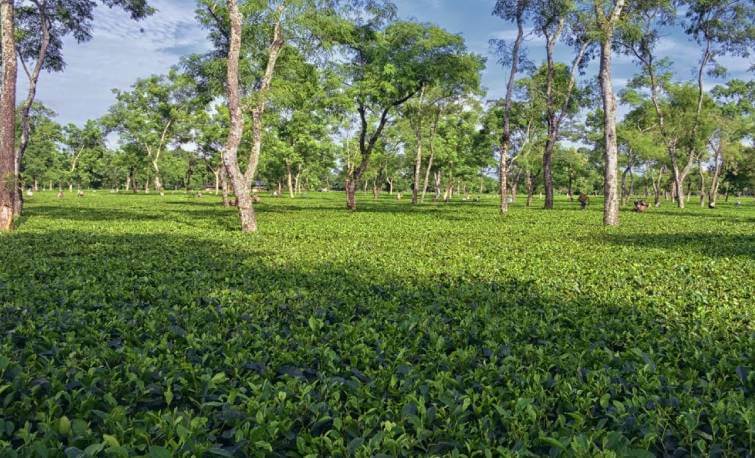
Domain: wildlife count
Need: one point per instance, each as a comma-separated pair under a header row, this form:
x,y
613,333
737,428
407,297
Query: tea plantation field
x,y
135,325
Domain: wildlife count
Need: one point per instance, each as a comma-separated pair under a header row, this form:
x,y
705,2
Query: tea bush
x,y
136,325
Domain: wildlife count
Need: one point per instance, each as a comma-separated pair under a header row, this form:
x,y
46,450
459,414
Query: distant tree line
x,y
311,95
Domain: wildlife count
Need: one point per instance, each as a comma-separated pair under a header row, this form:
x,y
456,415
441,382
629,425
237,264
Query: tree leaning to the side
x,y
510,11
606,22
554,19
242,181
8,175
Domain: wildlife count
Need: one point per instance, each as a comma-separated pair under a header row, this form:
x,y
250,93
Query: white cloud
x,y
120,52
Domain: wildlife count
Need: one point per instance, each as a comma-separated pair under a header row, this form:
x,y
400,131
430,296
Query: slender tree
x,y
607,14
554,20
511,11
42,27
8,176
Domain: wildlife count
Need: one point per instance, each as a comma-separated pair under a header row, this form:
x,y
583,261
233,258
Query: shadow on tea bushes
x,y
171,345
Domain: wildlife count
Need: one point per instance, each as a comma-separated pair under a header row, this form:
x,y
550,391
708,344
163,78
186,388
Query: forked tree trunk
x,y
8,177
297,180
242,182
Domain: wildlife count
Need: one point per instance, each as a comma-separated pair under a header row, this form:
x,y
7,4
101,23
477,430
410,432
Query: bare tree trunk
x,y
297,180
242,182
504,163
418,158
438,180
718,166
702,185
224,185
217,181
555,119
290,180
624,190
610,189
657,187
351,194
390,185
8,176
530,183
570,190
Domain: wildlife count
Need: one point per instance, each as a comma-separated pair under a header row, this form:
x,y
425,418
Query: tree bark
x,y
8,176
438,180
433,132
610,188
418,158
718,166
241,182
351,194
297,180
290,180
702,185
224,187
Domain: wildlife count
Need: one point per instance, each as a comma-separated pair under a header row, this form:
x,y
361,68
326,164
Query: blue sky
x,y
123,51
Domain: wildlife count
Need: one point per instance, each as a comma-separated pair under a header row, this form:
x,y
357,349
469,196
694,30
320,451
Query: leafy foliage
x,y
135,325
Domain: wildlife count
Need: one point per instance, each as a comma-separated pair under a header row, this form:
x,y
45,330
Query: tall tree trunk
x,y
241,182
216,173
530,184
8,177
433,132
610,188
25,114
714,183
702,185
570,189
438,180
418,158
555,118
351,194
624,190
224,187
290,180
297,180
504,162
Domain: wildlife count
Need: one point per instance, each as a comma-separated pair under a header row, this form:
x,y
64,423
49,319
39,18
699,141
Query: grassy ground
x,y
140,325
